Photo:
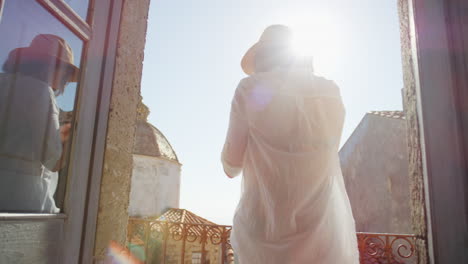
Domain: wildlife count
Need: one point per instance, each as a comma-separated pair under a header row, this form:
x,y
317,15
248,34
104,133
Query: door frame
x,y
99,142
68,237
441,91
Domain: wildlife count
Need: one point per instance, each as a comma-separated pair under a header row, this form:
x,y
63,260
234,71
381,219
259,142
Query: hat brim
x,y
25,55
248,61
76,73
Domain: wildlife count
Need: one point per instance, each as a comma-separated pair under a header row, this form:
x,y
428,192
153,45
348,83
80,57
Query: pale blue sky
x,y
191,70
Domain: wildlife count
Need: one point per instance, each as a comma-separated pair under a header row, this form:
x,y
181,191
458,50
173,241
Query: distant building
x,y
194,251
374,162
180,236
155,185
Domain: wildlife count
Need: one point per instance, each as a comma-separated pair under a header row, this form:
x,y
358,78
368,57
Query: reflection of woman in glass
x,y
284,134
31,139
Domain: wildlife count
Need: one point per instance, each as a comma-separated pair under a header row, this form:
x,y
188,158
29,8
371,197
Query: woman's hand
x,y
65,132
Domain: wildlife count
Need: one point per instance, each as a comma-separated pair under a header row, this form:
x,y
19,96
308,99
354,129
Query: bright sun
x,y
317,38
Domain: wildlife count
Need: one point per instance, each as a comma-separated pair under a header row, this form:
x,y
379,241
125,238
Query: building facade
x,y
178,236
156,171
374,161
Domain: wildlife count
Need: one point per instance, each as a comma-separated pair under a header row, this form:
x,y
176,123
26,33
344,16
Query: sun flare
x,y
317,38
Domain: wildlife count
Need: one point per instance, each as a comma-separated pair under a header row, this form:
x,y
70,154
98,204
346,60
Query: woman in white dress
x,y
284,133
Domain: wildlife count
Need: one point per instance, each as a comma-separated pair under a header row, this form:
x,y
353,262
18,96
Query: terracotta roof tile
x,y
389,114
149,141
183,216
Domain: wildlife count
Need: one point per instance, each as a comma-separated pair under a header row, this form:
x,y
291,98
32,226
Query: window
x,y
196,257
39,73
54,35
73,13
79,6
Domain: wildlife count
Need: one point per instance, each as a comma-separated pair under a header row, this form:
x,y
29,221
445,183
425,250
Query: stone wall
x,y
115,185
155,186
374,162
415,169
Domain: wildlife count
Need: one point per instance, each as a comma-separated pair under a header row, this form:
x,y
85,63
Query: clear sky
x,y
192,67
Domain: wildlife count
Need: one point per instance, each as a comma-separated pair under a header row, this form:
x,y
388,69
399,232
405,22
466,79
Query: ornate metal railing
x,y
153,237
387,248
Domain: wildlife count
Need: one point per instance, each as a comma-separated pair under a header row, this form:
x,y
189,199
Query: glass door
x,y
51,64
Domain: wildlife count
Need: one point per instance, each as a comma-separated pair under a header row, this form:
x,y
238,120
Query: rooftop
x,y
150,141
179,217
183,216
389,114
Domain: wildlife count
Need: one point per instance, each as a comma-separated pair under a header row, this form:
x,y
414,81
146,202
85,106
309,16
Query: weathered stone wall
x,y
374,162
415,169
115,185
155,186
142,110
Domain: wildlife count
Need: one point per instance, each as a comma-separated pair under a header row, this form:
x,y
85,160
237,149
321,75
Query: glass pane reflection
x,y
79,6
39,70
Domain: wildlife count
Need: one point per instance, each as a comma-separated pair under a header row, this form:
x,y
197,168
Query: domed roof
x,y
149,141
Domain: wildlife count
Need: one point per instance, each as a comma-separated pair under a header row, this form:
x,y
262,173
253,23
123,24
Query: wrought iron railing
x,y
387,248
153,236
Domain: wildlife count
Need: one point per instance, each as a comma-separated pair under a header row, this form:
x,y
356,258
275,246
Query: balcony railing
x,y
387,248
170,243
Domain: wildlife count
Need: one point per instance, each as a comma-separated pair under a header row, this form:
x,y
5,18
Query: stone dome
x,y
149,141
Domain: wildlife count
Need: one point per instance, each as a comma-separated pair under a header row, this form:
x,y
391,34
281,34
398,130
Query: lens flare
x,y
317,38
117,254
